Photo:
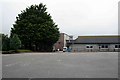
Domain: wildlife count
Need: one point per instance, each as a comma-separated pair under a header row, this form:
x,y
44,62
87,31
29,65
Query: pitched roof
x,y
96,39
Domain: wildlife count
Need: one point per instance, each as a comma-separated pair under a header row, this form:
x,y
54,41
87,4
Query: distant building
x,y
95,43
61,43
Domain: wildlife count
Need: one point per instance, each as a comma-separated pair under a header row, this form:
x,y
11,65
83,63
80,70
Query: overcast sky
x,y
74,17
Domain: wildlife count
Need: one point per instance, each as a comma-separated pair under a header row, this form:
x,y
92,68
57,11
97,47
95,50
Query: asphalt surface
x,y
60,65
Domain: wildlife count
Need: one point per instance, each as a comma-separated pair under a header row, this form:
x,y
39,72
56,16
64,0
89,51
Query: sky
x,y
73,17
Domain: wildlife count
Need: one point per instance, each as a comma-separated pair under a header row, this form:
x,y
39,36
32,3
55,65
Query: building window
x,y
89,46
117,46
104,46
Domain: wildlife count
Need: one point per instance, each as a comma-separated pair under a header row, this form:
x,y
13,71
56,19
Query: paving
x,y
60,65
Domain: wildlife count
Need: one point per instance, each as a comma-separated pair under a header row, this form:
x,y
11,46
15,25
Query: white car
x,y
64,49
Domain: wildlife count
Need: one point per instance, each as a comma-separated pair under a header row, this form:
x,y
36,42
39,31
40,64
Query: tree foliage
x,y
15,42
36,29
4,40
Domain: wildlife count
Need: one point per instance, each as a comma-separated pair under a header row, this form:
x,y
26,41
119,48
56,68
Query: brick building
x,y
61,43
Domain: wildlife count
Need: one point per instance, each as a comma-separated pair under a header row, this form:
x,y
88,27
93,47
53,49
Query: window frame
x,y
117,46
89,46
103,46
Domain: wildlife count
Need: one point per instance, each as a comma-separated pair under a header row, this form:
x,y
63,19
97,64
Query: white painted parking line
x,y
12,64
25,64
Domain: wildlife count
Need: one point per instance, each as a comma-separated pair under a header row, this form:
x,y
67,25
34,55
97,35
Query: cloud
x,y
77,17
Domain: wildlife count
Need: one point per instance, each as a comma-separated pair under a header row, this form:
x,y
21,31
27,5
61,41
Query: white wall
x,y
82,47
66,37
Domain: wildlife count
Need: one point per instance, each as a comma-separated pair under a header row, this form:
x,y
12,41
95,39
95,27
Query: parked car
x,y
64,49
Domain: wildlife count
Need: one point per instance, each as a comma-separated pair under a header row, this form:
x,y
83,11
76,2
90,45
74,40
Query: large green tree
x,y
36,29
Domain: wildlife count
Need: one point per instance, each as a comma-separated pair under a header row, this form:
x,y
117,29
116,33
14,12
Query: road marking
x,y
12,64
26,64
9,65
59,60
